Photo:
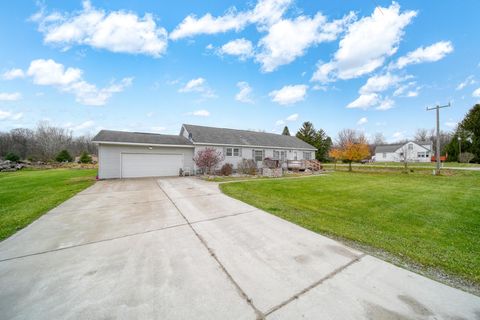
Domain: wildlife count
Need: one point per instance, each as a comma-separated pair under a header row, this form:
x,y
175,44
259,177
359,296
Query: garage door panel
x,y
136,165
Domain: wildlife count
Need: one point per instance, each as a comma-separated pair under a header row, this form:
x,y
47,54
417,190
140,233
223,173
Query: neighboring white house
x,y
411,151
133,154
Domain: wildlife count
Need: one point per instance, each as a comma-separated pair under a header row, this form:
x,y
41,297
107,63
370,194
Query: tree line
x,y
44,143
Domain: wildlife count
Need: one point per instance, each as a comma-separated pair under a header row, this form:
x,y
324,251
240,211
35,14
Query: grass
x,y
430,165
428,221
27,194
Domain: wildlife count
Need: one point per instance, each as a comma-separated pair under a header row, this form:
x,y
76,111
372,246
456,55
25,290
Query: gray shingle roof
x,y
201,134
388,148
139,137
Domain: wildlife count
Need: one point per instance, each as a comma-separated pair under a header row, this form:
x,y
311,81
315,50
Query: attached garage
x,y
135,155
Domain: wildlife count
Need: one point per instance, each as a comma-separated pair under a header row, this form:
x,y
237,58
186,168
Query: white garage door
x,y
136,165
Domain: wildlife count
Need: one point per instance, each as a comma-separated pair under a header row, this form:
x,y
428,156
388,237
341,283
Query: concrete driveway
x,y
179,249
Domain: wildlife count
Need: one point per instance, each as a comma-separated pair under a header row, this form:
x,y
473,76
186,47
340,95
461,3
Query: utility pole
x,y
437,151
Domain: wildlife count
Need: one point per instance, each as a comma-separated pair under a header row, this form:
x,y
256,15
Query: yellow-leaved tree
x,y
351,146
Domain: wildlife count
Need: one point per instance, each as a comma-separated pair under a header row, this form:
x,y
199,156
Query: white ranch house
x,y
134,154
412,151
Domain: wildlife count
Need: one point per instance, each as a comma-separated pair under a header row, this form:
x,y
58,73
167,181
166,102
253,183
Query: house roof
x,y
394,147
224,136
140,138
388,148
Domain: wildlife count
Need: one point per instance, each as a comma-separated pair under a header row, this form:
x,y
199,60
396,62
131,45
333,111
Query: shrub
x,y
85,157
466,157
208,159
12,157
247,166
226,169
63,156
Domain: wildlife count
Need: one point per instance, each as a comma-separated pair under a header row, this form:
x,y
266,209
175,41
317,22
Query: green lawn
x,y
431,221
26,195
411,164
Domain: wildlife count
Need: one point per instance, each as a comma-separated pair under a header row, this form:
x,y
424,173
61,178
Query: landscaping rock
x,y
8,166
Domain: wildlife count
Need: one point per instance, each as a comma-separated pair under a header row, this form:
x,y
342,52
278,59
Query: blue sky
x,y
151,65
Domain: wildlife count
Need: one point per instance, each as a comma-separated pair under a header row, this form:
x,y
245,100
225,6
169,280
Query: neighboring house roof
x,y
386,148
109,136
223,136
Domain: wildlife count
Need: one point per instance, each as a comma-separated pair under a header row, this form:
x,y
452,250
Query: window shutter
x,y
239,152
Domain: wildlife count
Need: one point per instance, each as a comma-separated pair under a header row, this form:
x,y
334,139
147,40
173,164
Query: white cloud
x,y
362,121
451,124
84,125
8,115
366,45
292,117
288,39
244,95
198,85
385,104
319,88
476,93
14,96
431,53
365,101
470,80
13,74
380,83
399,135
199,113
49,72
241,48
412,94
116,31
289,94
158,129
265,12
400,91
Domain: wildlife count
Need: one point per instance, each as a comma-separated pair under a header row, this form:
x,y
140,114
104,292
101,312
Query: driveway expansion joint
x,y
259,314
93,242
315,284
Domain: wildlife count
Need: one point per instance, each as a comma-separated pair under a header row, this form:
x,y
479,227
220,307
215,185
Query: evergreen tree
x,y
469,133
307,133
85,157
318,139
286,132
63,156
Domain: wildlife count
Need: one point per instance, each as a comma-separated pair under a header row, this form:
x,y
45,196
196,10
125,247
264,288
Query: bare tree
x,y
44,143
422,135
378,139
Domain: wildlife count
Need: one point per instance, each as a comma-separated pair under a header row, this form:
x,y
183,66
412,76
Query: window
x,y
410,146
384,155
307,156
276,155
421,154
283,155
233,152
295,155
258,155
